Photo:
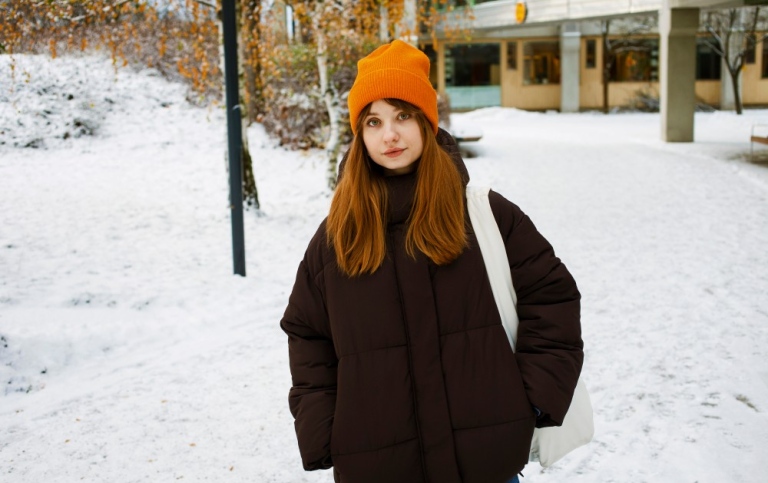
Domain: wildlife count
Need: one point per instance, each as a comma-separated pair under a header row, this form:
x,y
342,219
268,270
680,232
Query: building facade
x,y
550,54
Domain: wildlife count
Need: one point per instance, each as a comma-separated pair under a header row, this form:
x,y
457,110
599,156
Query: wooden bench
x,y
462,138
467,139
464,134
761,139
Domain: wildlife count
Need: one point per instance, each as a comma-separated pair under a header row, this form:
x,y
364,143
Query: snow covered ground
x,y
129,351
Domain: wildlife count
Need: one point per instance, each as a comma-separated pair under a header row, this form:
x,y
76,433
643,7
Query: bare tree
x,y
733,34
328,25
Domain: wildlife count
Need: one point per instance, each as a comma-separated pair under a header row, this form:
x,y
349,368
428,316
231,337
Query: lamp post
x,y
234,134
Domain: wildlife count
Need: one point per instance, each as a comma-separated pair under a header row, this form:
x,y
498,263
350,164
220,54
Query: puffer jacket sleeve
x,y
549,349
313,362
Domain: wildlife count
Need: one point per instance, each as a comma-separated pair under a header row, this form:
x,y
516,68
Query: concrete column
x,y
570,63
677,28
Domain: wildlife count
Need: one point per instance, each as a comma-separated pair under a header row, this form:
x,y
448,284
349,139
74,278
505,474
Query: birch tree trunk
x,y
383,23
330,98
409,32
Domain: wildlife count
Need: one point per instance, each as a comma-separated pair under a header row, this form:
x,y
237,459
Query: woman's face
x,y
392,138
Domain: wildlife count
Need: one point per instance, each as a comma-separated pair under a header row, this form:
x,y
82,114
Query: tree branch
x,y
206,4
756,17
718,46
86,15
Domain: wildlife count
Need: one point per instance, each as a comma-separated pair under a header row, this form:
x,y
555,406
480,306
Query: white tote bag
x,y
548,444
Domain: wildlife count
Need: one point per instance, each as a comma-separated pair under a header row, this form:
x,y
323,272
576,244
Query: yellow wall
x,y
591,80
624,93
620,94
510,78
754,89
515,94
536,97
708,92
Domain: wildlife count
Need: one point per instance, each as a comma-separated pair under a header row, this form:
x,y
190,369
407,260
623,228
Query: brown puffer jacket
x,y
406,375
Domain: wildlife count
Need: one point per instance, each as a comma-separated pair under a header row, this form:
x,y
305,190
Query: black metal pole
x,y
234,134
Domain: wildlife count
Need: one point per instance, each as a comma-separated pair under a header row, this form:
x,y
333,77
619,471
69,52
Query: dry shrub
x,y
294,112
179,38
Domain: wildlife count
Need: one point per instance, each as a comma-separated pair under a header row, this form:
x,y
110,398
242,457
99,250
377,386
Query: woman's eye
x,y
403,116
373,122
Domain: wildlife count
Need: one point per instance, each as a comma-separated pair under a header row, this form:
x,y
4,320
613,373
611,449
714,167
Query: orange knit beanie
x,y
393,71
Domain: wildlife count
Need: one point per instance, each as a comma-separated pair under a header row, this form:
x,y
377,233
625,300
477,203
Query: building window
x,y
591,61
472,65
432,55
473,75
765,61
637,60
707,60
541,63
512,55
749,55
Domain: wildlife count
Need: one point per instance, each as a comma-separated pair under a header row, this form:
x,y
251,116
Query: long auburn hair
x,y
356,225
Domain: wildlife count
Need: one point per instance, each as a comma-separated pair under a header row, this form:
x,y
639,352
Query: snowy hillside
x,y
129,351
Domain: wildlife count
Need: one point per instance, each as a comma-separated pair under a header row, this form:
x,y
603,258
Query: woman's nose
x,y
390,133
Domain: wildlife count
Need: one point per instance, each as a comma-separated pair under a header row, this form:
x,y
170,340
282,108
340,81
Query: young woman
x,y
401,369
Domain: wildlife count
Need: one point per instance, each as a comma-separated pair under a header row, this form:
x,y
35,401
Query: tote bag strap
x,y
495,258
548,444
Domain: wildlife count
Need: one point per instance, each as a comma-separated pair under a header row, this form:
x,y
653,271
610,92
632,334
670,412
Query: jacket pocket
x,y
374,403
483,382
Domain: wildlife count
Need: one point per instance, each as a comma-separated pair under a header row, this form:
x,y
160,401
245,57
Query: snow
x,y
130,352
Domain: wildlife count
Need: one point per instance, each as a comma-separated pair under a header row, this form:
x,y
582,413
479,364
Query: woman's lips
x,y
393,153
